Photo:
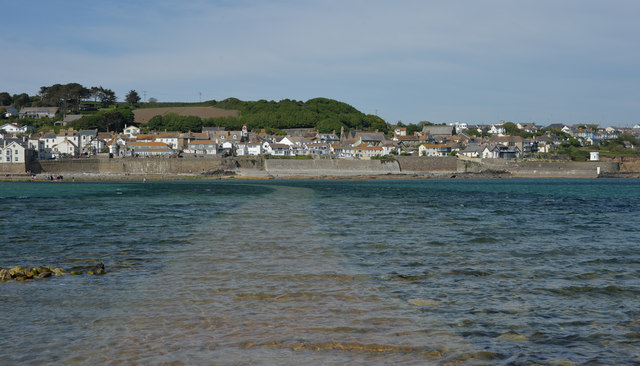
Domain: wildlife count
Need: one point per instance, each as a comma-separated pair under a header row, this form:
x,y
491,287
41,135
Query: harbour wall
x,y
152,165
539,169
259,166
13,168
329,167
420,164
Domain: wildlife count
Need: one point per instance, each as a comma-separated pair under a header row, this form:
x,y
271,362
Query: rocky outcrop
x,y
19,273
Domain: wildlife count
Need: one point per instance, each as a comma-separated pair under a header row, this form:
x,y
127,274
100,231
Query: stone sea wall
x,y
329,167
151,165
427,164
260,167
538,169
628,164
12,168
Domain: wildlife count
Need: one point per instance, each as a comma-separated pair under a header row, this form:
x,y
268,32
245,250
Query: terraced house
x,y
14,152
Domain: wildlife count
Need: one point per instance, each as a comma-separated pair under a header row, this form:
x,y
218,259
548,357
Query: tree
x,y
153,100
112,120
511,128
5,99
107,97
64,96
21,100
132,97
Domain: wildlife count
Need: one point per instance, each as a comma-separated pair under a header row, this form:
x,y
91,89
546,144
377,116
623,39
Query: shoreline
x,y
230,175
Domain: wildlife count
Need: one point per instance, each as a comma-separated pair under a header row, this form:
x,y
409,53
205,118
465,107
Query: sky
x,y
542,61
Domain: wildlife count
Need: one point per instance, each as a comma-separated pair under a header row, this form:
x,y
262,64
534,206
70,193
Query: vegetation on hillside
x,y
102,111
114,119
325,115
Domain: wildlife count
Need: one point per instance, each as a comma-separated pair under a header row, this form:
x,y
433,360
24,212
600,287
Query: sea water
x,y
323,272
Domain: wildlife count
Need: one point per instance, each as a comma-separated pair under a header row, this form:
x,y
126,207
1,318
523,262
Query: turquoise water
x,y
324,272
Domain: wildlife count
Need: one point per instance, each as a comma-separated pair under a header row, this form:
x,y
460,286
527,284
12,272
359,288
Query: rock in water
x,y
30,272
98,269
5,275
59,272
44,274
17,271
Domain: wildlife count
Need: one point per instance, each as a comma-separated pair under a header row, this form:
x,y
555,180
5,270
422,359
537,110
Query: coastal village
x,y
20,143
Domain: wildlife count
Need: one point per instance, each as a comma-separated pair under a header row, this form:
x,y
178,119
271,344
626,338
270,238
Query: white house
x,y
249,148
203,147
13,153
64,147
131,131
497,130
13,128
10,128
319,149
472,151
488,153
434,150
367,152
400,131
389,148
342,152
294,141
171,139
460,126
277,149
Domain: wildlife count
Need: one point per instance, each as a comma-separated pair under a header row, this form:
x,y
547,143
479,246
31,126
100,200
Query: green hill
x,y
325,115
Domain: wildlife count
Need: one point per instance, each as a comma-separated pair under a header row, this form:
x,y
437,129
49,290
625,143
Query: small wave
x,y
348,347
469,272
483,239
611,290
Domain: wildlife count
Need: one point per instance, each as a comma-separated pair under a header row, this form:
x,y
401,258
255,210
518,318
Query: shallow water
x,y
323,272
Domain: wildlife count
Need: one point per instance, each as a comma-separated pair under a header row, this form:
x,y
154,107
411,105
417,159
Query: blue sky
x,y
571,61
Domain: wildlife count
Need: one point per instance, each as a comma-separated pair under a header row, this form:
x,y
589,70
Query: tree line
x,y
325,115
68,97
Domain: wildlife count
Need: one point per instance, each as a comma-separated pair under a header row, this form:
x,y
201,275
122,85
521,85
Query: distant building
x,y
202,147
436,131
434,150
11,111
38,112
400,131
14,152
367,137
367,152
68,119
131,132
150,149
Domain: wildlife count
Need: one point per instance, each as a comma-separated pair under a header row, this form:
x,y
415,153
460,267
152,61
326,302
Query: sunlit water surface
x,y
324,272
